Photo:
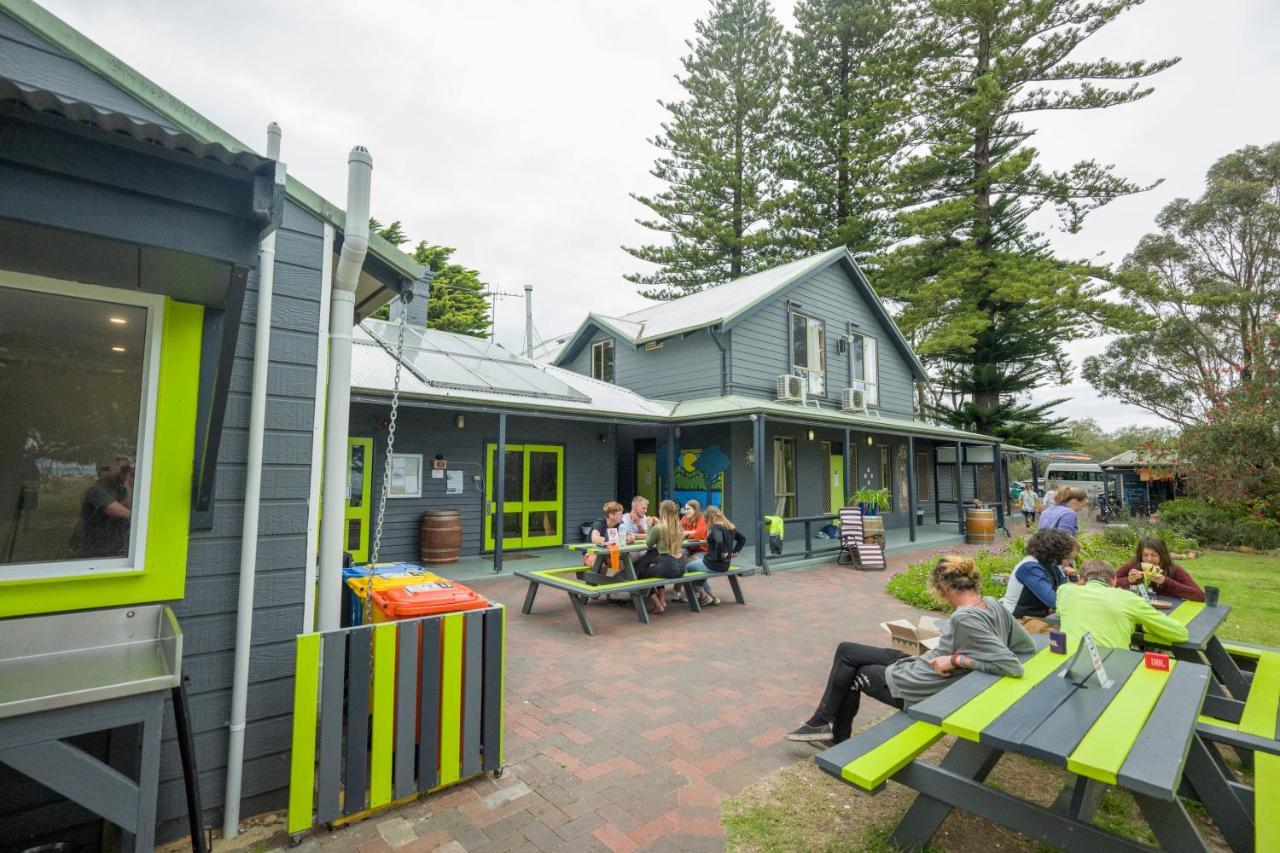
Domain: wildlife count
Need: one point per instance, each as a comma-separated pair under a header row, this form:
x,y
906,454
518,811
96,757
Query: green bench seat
x,y
1255,723
868,759
572,581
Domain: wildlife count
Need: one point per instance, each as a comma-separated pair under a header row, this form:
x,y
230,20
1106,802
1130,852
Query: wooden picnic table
x,y
1203,645
1138,734
626,571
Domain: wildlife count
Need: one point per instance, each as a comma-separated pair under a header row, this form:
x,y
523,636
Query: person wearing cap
x,y
105,514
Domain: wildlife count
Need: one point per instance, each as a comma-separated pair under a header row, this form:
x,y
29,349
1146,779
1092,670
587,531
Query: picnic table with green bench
x,y
583,585
1142,733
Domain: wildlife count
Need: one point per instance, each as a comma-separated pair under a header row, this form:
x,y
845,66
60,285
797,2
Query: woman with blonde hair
x,y
665,552
724,542
980,635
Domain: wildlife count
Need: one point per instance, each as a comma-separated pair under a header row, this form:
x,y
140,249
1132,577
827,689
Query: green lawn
x,y
1250,583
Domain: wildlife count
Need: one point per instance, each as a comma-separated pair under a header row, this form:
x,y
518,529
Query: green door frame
x,y
521,505
359,514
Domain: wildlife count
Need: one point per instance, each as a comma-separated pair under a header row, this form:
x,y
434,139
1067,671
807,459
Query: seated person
x,y
665,557
724,541
636,522
1171,580
980,635
1111,614
600,528
1031,594
1067,501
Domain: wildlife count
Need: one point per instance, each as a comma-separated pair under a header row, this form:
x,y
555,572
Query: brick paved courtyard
x,y
631,739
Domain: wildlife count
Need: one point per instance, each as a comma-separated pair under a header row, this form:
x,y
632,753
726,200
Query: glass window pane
x,y
799,340
513,490
544,476
859,359
510,525
355,476
607,374
543,523
353,534
71,382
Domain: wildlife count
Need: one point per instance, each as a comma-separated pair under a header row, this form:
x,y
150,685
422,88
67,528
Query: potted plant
x,y
871,500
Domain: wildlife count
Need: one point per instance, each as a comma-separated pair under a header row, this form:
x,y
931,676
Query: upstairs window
x,y
809,352
864,367
602,361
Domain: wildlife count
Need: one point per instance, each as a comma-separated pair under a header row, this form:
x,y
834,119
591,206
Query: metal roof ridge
x,y
114,70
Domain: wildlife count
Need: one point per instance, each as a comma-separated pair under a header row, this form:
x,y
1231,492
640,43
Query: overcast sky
x,y
514,131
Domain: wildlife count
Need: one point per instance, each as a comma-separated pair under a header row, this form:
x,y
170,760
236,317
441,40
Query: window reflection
x,y
71,384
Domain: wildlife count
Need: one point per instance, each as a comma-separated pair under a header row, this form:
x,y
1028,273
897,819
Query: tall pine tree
x,y
720,155
850,88
457,300
989,304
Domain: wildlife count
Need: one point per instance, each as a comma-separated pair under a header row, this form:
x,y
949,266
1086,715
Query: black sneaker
x,y
808,733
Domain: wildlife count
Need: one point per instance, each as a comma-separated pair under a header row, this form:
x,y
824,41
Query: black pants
x,y
856,669
1028,516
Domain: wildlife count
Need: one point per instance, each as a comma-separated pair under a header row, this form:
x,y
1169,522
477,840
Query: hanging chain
x,y
386,468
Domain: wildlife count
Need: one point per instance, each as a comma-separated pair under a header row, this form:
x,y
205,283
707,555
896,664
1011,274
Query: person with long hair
x,y
665,540
980,635
724,542
694,525
1169,578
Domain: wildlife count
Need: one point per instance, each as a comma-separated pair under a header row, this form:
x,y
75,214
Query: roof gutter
x,y
252,504
338,414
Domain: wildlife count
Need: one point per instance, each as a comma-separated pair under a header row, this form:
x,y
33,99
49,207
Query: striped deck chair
x,y
868,555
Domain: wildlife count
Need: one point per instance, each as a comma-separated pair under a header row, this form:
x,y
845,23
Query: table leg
x,y
1172,825
529,597
578,608
1213,788
949,789
149,775
968,760
637,599
1224,667
737,589
1080,799
691,593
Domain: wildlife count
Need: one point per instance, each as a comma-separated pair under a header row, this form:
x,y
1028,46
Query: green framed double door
x,y
533,496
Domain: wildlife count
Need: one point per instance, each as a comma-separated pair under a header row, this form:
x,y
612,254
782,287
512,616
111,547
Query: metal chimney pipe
x,y
528,321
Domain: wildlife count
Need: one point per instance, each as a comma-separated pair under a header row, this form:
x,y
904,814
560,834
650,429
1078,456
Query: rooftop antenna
x,y
493,309
528,321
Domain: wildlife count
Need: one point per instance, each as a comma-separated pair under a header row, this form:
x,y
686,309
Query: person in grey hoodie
x,y
980,635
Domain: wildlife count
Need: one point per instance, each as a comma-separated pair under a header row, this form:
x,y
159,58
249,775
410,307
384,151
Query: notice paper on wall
x,y
453,483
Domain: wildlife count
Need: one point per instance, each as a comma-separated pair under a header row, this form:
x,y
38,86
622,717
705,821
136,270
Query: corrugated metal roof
x,y
45,101
464,369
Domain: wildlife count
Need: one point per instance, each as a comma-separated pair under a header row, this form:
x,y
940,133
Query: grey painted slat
x,y
329,775
1154,764
491,732
834,759
1061,733
406,706
472,683
429,705
356,783
1019,722
1206,624
939,706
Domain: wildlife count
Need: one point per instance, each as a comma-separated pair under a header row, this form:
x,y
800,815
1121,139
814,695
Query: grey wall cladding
x,y
683,368
590,475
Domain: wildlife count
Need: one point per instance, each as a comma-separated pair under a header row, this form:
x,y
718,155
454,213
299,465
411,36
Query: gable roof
x,y
183,118
724,304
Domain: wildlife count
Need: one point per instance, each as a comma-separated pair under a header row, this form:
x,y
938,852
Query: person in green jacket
x,y
1111,614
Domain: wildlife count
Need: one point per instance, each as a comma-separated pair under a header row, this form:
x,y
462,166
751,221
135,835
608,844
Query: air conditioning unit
x,y
791,388
853,400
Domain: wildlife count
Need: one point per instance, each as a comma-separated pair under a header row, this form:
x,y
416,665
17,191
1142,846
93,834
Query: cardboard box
x,y
914,639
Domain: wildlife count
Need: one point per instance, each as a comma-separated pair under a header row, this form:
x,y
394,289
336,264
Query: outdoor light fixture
x,y
117,349
811,435
119,321
678,432
869,441
461,421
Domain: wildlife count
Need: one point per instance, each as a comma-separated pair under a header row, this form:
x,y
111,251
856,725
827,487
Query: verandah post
x,y
960,487
500,492
911,488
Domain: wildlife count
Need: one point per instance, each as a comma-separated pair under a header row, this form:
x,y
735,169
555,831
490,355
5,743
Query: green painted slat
x,y
1103,750
872,769
302,760
384,713
1186,611
969,721
451,700
1242,651
1266,790
1259,717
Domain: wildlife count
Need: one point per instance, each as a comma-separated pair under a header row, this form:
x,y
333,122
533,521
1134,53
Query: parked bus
x,y
1086,475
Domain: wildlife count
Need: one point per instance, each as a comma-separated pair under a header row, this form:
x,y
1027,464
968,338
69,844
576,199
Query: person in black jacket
x,y
724,541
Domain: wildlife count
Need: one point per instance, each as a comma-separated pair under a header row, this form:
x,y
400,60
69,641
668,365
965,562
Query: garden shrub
x,y
1221,525
1121,535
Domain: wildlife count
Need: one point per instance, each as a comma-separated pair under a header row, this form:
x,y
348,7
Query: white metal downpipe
x,y
355,245
252,502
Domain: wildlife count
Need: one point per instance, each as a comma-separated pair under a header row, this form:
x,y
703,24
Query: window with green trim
x,y
78,376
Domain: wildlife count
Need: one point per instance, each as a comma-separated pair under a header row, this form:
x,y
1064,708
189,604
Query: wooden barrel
x,y
980,526
441,536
